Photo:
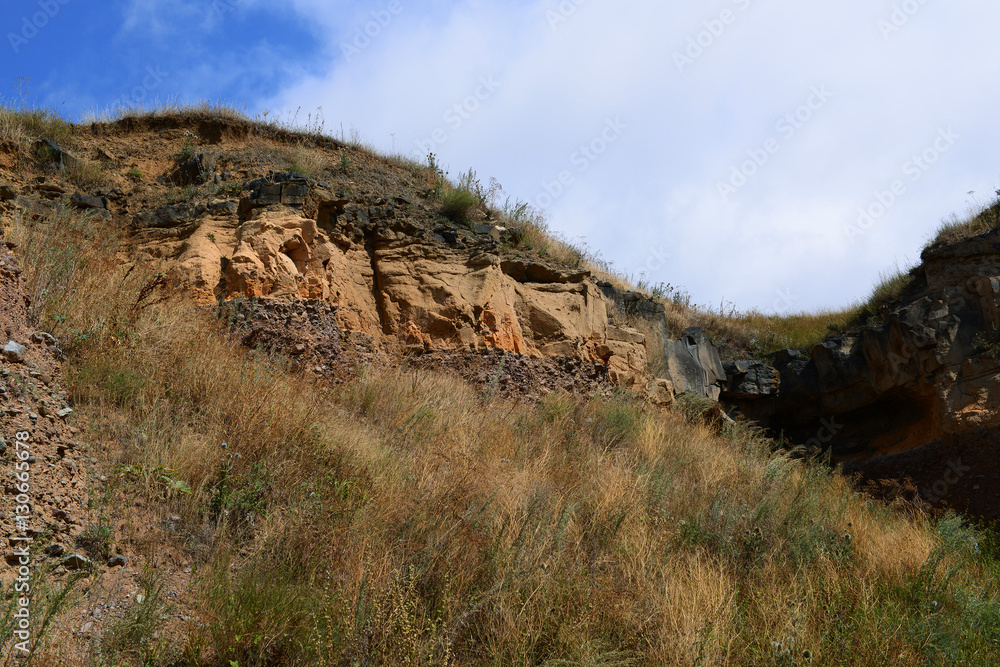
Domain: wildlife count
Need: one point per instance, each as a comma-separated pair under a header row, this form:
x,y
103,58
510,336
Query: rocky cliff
x,y
930,371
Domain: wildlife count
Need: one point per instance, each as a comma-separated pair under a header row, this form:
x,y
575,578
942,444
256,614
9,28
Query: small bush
x,y
88,175
987,344
306,161
457,204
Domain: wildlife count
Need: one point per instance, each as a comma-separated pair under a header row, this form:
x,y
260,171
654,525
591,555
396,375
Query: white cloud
x,y
656,184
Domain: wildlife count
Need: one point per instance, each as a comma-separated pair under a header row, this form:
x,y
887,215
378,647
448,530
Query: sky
x,y
769,154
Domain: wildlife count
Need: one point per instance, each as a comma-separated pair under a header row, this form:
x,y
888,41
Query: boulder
x,y
82,201
750,380
50,151
660,392
694,366
194,170
167,217
14,352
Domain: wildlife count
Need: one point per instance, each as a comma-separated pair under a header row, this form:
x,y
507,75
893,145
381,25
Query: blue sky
x,y
774,154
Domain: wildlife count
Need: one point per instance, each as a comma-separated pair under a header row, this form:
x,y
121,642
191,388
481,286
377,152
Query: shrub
x,y
456,205
88,175
306,161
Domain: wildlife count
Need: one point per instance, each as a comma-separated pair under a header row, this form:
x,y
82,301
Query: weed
x,y
187,150
306,161
456,205
987,344
88,175
48,600
135,174
97,540
133,635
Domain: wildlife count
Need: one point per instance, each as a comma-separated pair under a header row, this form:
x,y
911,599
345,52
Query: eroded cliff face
x,y
393,274
930,372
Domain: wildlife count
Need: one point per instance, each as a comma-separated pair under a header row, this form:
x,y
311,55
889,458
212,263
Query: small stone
x,y
139,598
54,550
86,627
117,561
76,562
14,352
65,412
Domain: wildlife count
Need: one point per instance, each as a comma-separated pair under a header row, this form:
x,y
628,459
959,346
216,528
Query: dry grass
x,y
305,160
89,175
400,519
979,220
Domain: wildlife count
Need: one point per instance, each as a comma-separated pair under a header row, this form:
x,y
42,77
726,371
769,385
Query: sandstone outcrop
x,y
392,272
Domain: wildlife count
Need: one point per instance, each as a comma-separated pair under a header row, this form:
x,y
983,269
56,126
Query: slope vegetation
x,y
393,512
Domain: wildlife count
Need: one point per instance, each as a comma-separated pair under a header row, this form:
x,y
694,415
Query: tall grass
x,y
980,219
400,519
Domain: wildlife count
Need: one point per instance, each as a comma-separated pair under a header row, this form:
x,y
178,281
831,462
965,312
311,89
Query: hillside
x,y
331,408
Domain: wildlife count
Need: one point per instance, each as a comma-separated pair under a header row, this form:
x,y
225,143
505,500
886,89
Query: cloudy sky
x,y
770,154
